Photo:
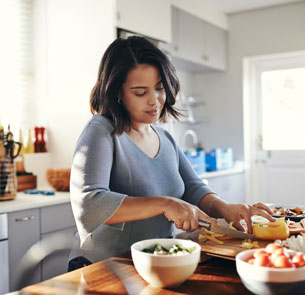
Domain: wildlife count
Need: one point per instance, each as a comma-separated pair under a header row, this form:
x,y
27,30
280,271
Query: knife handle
x,y
204,224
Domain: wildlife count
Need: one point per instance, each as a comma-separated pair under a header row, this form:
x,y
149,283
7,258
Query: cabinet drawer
x,y
56,218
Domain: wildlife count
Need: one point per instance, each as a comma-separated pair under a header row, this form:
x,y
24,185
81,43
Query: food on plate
x,y
277,256
176,249
296,243
249,244
292,212
271,230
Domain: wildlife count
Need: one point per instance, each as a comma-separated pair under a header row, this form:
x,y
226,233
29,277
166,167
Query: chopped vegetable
x,y
231,225
209,237
176,249
248,244
272,230
296,243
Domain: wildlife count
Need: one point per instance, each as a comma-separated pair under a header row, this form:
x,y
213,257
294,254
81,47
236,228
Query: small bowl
x,y
269,280
165,270
59,179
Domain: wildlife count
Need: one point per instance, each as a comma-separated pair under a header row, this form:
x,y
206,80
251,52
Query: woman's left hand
x,y
237,212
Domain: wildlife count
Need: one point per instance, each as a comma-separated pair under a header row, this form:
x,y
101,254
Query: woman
x,y
129,180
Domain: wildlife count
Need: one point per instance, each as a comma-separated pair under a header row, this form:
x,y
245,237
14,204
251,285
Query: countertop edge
x,y
219,173
27,202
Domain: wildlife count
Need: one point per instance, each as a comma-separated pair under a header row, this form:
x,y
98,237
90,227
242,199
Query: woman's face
x,y
143,94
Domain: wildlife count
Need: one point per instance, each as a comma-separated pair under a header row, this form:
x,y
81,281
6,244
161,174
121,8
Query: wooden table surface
x,y
213,276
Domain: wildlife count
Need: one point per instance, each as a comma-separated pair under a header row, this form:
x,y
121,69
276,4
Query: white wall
x,y
71,37
266,31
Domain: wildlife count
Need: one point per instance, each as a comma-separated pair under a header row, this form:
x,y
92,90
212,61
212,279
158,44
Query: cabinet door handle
x,y
27,218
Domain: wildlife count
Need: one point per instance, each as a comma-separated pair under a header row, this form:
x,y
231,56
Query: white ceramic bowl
x,y
165,270
269,280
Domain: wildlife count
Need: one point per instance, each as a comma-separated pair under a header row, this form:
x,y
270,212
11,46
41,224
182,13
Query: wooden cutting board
x,y
229,249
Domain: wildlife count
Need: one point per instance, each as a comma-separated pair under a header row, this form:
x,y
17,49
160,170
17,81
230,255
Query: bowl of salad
x,y
165,262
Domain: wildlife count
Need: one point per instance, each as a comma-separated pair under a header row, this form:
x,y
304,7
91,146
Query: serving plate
x,y
295,217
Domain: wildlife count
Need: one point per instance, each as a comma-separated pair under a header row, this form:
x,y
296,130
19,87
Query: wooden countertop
x,y
214,276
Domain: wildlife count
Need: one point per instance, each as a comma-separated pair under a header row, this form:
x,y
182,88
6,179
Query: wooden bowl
x,y
59,179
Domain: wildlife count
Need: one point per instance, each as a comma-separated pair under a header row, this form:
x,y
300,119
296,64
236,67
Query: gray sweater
x,y
108,168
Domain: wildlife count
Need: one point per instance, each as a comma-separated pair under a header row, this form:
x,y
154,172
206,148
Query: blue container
x,y
197,160
216,159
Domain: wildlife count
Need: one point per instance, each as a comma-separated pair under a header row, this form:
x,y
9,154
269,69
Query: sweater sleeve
x,y
92,201
195,188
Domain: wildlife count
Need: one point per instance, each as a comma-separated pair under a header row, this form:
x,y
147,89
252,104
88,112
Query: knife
x,y
226,231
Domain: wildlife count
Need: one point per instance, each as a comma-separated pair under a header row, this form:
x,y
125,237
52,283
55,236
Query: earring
x,y
119,100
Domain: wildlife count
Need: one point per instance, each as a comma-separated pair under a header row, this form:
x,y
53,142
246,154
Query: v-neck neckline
x,y
160,145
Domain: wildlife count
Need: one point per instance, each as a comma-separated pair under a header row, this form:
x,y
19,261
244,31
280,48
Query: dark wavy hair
x,y
121,56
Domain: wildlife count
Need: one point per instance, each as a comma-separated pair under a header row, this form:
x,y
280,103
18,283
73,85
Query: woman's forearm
x,y
212,205
137,208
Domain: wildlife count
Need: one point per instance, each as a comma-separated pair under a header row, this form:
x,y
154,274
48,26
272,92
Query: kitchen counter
x,y
238,168
27,201
214,276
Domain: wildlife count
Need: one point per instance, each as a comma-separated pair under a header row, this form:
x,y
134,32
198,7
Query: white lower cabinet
x,y
25,228
23,232
56,219
231,187
57,263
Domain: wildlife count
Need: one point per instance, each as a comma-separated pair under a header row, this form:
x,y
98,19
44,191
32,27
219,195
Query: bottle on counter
x,y
20,139
39,144
29,146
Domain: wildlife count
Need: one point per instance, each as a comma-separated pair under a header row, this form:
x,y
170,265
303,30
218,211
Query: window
x,y
16,72
283,109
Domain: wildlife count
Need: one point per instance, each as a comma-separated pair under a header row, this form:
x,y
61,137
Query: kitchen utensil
x,y
226,231
7,172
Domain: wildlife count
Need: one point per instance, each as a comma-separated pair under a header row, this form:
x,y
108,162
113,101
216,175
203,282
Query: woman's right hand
x,y
185,215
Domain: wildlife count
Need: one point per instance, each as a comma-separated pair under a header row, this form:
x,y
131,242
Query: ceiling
x,y
233,6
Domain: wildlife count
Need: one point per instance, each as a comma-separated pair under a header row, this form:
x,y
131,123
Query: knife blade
x,y
226,231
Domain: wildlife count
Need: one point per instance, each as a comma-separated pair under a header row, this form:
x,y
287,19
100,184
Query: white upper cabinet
x,y
215,47
149,18
197,45
185,28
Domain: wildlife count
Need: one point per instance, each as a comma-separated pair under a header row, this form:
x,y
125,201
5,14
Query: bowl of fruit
x,y
273,270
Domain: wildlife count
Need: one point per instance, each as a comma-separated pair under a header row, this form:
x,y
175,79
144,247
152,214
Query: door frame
x,y
252,67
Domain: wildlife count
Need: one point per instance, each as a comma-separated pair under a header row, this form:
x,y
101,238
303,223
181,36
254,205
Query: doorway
x,y
274,128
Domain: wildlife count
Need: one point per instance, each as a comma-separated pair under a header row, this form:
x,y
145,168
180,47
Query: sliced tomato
x,y
262,260
282,261
270,248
